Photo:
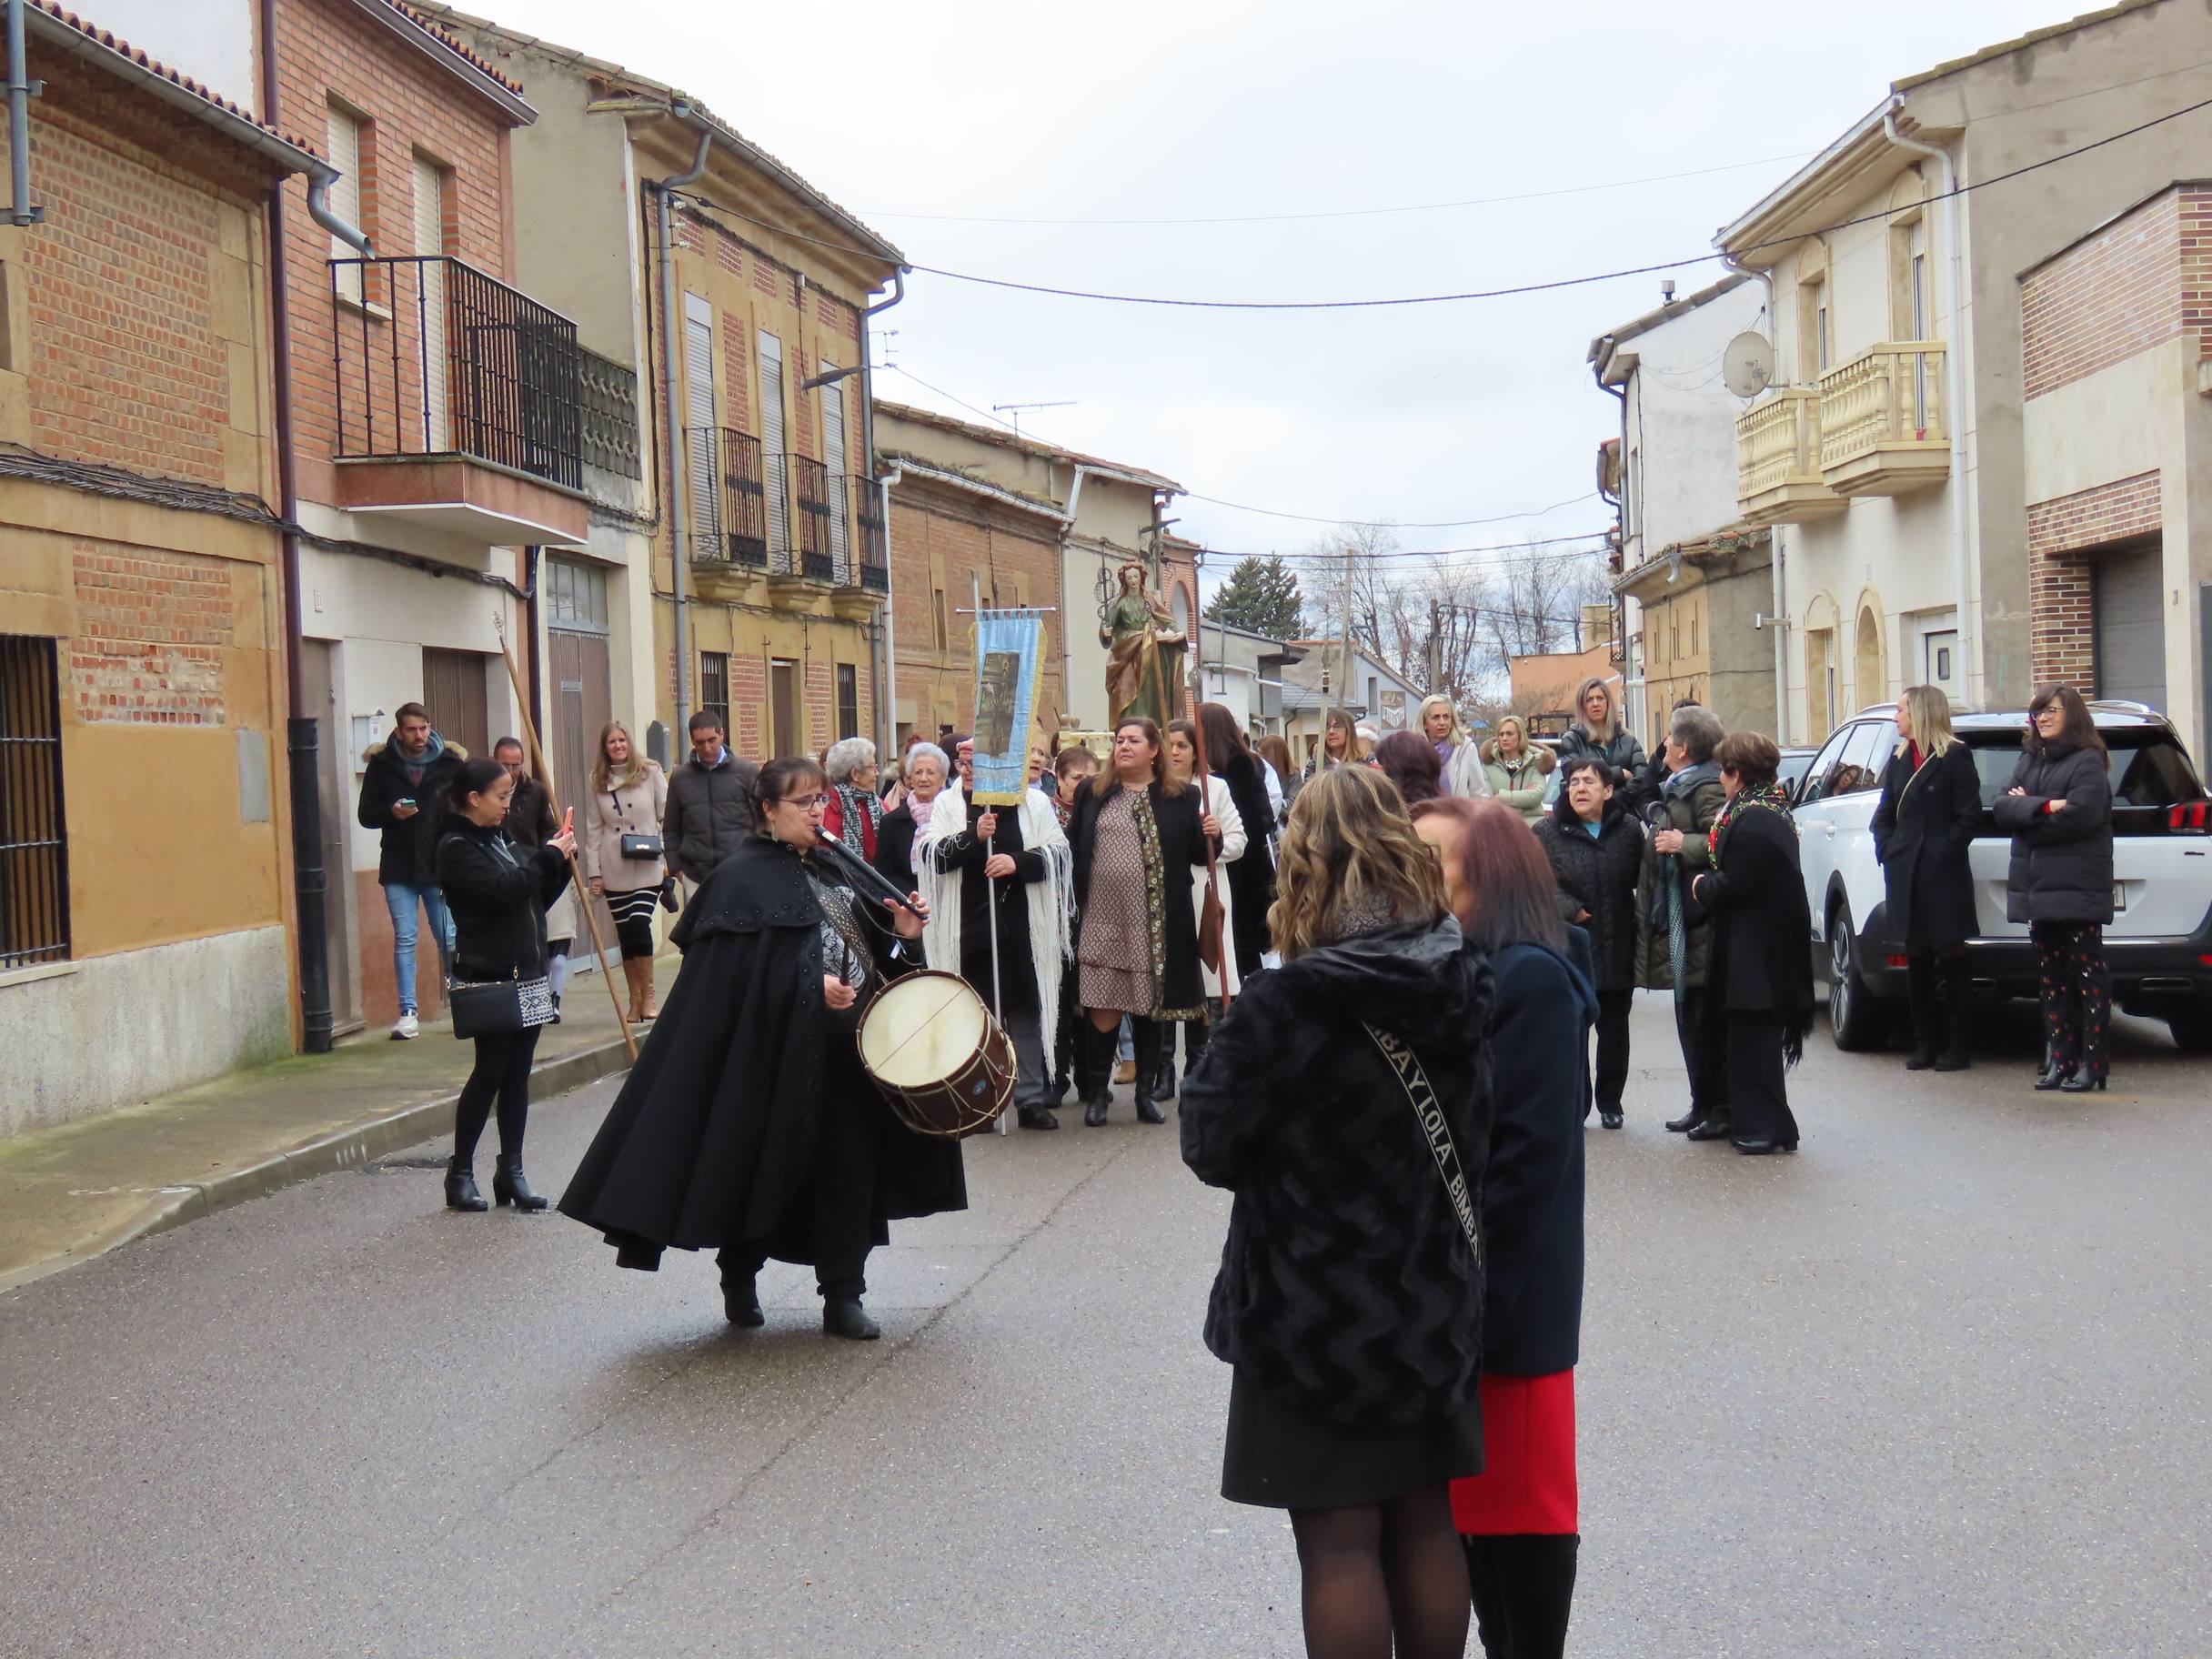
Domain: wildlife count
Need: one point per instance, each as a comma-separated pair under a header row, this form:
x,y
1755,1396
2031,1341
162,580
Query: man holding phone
x,y
403,796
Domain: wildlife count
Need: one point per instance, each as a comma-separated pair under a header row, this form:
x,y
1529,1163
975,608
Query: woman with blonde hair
x,y
1344,1101
1439,723
1600,733
1930,813
622,853
1517,767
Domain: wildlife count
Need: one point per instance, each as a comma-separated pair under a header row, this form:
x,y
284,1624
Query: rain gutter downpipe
x,y
887,675
21,90
679,515
1953,394
303,771
1632,678
1777,559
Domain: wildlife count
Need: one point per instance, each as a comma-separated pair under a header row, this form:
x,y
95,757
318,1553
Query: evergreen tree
x,y
1261,596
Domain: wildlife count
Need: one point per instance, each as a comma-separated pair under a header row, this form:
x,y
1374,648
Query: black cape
x,y
713,1136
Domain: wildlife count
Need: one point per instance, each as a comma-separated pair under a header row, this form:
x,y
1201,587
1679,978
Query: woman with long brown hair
x,y
621,851
1343,1102
2058,811
1136,834
1520,1519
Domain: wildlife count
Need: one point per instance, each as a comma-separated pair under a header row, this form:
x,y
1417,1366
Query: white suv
x,y
2158,943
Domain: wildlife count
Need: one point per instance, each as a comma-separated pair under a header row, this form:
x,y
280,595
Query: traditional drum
x,y
944,1063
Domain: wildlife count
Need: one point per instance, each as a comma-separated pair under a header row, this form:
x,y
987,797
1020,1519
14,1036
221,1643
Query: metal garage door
x,y
2128,588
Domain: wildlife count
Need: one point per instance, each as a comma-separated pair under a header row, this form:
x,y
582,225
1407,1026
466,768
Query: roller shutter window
x,y
2127,587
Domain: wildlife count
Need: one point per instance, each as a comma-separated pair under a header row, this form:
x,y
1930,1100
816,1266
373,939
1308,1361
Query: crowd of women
x,y
1386,981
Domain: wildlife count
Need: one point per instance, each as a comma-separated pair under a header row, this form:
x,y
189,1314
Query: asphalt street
x,y
1933,1386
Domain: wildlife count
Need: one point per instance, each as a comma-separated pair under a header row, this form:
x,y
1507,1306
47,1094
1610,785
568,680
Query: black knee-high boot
x,y
1151,1036
1951,989
1094,1070
1923,1000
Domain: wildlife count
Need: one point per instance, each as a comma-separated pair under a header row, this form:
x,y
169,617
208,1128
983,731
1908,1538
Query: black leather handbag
x,y
499,1008
640,846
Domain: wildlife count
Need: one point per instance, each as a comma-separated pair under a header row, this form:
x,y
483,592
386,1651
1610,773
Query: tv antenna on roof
x,y
1015,409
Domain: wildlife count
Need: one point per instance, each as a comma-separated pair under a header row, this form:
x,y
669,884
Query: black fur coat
x,y
1347,1287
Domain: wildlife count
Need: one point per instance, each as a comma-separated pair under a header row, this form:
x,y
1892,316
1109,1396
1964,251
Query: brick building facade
x,y
144,889
2116,330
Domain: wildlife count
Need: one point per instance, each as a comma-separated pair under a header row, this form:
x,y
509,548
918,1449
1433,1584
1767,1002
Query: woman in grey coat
x,y
2058,811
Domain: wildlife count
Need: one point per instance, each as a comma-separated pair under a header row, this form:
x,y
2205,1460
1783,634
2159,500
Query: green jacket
x,y
1692,811
1521,786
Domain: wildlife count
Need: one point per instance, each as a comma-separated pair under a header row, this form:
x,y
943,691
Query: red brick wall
x,y
942,537
327,48
124,364
152,629
2141,280
2062,537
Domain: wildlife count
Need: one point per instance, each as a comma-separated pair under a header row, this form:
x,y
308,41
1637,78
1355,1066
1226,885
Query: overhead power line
x,y
1395,301
1351,213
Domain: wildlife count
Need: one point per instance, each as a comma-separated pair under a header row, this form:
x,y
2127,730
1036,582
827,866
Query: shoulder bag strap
x,y
1406,1067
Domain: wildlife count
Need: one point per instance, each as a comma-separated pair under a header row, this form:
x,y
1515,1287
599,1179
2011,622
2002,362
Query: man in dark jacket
x,y
529,811
711,803
403,796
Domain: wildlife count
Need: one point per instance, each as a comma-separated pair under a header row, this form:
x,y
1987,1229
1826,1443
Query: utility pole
x,y
1436,648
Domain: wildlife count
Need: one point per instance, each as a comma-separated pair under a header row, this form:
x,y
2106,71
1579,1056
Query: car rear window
x,y
2149,767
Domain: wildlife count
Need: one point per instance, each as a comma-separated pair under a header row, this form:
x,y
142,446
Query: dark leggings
x,y
1612,1010
1380,1570
502,1069
2077,988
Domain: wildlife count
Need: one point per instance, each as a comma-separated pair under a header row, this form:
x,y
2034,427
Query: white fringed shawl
x,y
1051,901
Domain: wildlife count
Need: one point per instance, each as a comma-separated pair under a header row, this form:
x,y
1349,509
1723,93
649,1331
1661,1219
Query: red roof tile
x,y
453,43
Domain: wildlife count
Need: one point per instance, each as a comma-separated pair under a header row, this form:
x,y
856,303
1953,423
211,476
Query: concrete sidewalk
x,y
71,1194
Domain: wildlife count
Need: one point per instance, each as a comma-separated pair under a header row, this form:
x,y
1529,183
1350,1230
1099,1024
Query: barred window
x,y
847,700
33,857
714,687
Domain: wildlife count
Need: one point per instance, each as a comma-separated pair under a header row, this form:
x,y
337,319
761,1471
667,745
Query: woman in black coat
x,y
1930,810
1519,1521
497,893
1596,850
1762,977
1252,879
2058,811
1137,835
1332,1101
748,1123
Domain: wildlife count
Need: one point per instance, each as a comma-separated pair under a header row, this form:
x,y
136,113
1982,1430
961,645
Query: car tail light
x,y
2187,815
1896,962
2204,958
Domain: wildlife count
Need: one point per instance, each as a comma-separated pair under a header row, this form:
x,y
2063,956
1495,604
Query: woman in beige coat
x,y
1516,768
628,794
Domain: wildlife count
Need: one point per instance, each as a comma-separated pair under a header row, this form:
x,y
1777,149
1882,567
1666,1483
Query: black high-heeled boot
x,y
1094,1072
508,1185
1951,989
1151,1036
461,1187
1924,1001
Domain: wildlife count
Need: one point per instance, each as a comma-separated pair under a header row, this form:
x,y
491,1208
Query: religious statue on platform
x,y
1144,656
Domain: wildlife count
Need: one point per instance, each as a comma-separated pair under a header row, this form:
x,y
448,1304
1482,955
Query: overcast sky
x,y
1155,110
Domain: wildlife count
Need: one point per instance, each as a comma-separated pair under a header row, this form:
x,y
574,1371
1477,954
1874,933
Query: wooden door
x,y
453,689
582,705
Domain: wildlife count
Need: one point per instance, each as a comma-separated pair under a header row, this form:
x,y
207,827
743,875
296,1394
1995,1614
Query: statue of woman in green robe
x,y
1144,660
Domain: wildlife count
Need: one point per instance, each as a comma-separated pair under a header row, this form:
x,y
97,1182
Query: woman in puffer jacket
x,y
2058,811
1599,732
1516,768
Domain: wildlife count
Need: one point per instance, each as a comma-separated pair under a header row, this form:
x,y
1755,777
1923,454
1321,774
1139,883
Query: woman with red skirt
x,y
1518,1519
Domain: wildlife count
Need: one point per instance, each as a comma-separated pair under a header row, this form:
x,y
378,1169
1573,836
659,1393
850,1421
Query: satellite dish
x,y
1747,367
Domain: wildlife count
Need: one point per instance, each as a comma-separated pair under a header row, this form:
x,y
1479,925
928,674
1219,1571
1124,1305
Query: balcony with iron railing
x,y
1777,443
784,516
459,402
729,498
1882,421
820,523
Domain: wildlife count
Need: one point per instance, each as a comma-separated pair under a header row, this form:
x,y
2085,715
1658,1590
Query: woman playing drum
x,y
749,1125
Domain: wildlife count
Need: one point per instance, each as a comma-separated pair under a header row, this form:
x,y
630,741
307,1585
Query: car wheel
x,y
2192,1030
1855,1018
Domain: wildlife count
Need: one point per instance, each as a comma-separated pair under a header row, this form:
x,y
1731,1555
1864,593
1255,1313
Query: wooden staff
x,y
575,873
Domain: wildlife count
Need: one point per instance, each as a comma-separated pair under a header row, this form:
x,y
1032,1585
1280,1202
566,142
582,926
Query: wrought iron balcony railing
x,y
822,526
434,358
871,564
730,504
